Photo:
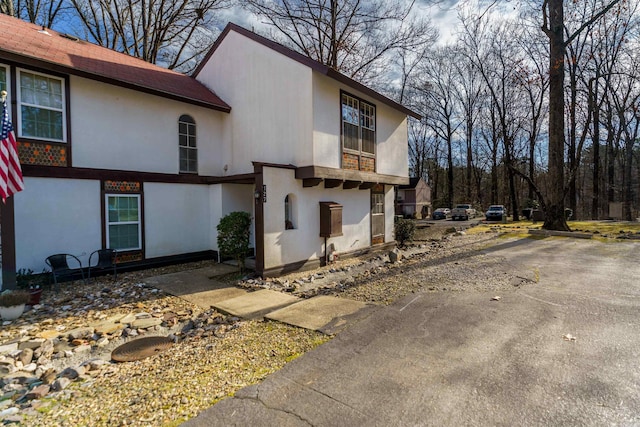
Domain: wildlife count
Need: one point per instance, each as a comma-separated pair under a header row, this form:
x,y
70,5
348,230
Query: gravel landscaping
x,y
67,379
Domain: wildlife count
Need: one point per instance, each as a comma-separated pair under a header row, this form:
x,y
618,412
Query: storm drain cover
x,y
140,348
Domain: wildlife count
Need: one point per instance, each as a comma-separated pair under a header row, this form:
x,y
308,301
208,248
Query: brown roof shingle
x,y
27,44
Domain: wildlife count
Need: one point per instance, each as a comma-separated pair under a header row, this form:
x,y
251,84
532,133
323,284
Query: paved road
x,y
453,359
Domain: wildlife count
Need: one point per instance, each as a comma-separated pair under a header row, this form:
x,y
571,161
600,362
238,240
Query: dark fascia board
x,y
304,60
61,69
115,174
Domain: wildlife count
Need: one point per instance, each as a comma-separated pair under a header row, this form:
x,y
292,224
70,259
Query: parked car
x,y
496,213
441,213
463,211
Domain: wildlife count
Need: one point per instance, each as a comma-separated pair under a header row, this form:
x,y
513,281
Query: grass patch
x,y
602,230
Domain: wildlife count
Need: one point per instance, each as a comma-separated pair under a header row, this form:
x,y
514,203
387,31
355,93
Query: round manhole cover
x,y
140,348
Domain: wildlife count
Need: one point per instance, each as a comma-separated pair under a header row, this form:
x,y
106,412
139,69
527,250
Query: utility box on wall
x,y
330,219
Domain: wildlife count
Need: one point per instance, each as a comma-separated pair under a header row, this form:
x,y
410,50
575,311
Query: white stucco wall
x,y
227,198
389,212
56,216
176,219
117,128
271,100
304,242
391,129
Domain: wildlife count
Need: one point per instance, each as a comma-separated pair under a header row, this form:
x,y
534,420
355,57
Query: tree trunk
x,y
595,205
554,216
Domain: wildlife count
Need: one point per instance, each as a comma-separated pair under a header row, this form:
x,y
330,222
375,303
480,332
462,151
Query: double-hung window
x,y
358,133
124,231
187,144
4,79
41,111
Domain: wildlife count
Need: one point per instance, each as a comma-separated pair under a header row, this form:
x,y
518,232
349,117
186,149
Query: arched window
x,y
289,219
187,144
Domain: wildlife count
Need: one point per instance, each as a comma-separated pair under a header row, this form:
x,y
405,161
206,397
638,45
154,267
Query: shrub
x,y
233,236
11,298
404,230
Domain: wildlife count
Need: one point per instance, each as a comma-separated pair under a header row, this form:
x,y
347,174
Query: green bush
x,y
404,230
233,236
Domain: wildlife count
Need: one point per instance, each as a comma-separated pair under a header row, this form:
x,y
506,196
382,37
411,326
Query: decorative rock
x,y
85,348
26,356
9,411
146,323
72,373
95,364
32,344
8,347
46,349
128,319
80,333
60,384
38,392
107,328
49,376
31,367
102,342
49,334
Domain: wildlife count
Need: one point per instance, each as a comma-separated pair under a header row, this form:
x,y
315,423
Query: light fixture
x,y
256,194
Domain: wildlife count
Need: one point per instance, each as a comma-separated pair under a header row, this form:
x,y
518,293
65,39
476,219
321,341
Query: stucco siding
x,y
176,219
117,128
270,96
391,129
304,243
56,216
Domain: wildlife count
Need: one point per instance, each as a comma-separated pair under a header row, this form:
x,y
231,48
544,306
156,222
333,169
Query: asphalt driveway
x,y
562,351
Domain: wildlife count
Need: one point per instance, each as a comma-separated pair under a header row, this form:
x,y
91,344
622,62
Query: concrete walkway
x,y
202,287
561,352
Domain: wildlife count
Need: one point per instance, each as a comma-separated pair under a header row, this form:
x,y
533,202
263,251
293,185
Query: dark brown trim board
x,y
321,172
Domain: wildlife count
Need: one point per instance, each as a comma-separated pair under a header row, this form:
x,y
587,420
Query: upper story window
x,y
358,133
187,143
41,106
4,81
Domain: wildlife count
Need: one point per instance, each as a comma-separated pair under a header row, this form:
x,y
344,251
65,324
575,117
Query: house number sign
x,y
264,194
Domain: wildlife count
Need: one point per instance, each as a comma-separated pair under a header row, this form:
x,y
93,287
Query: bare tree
x,y
553,27
355,37
171,33
41,12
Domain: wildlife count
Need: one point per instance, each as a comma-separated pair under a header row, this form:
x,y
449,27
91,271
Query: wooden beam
x,y
311,182
306,172
348,185
332,183
366,185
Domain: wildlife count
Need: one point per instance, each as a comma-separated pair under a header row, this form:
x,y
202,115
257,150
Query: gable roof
x,y
29,44
305,60
413,183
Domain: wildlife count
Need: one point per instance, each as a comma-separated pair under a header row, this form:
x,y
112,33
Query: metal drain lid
x,y
140,348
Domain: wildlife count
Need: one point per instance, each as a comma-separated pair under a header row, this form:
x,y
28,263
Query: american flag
x,y
10,171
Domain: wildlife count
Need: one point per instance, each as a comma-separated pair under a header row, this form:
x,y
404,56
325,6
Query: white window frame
x,y
138,222
8,88
361,105
290,211
187,147
19,72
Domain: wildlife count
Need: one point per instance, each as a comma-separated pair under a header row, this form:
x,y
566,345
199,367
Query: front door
x,y
377,214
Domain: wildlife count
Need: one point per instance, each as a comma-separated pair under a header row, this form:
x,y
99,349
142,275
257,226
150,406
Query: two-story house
x,y
119,153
